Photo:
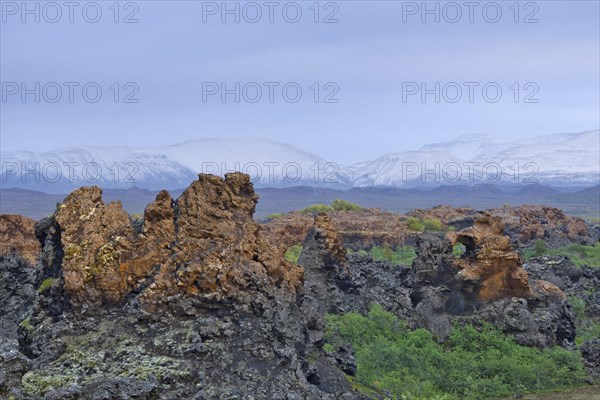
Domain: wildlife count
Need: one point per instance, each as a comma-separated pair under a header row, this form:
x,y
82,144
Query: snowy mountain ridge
x,y
559,159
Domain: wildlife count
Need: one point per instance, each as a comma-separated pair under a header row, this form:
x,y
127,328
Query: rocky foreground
x,y
197,301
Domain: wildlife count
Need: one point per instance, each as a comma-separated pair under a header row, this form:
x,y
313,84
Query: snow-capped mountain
x,y
398,169
110,167
560,159
467,147
554,158
557,159
269,163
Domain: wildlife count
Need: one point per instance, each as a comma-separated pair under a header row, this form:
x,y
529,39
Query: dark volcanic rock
x,y
528,223
573,281
193,304
17,293
326,272
532,322
487,283
17,296
591,354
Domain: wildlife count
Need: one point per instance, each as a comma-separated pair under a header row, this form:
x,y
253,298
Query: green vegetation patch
x,y
343,205
458,250
46,284
472,363
433,224
317,208
587,330
403,255
293,253
271,217
336,205
415,224
425,224
26,325
578,253
578,306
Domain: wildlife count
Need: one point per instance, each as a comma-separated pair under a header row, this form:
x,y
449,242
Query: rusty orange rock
x,y
444,213
204,245
17,234
361,229
96,241
219,249
490,264
531,222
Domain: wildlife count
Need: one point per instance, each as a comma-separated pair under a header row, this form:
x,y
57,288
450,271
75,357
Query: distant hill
x,y
571,159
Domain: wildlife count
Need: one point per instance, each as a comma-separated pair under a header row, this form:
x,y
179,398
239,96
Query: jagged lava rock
x,y
204,245
487,283
528,223
446,214
326,271
93,235
218,249
17,234
202,306
489,263
360,229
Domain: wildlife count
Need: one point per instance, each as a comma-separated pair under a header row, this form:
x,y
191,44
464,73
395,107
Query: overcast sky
x,y
372,61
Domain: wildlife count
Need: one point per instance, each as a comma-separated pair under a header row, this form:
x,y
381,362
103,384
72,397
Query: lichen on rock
x,y
204,245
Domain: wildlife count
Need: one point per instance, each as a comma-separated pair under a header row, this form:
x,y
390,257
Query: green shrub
x,y
271,217
361,252
433,224
578,253
458,250
581,254
293,253
26,325
414,224
336,205
587,330
430,224
46,284
388,253
578,306
327,347
317,208
401,255
343,205
540,248
473,363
